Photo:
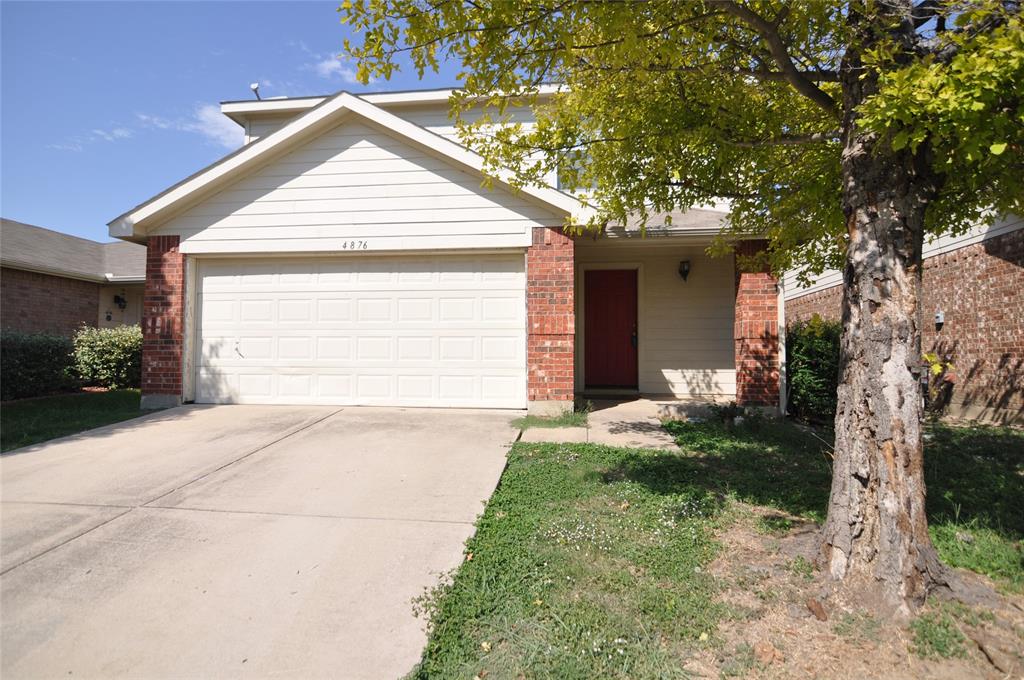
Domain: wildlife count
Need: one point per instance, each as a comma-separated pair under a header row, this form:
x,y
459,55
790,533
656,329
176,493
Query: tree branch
x,y
820,76
788,140
780,53
925,11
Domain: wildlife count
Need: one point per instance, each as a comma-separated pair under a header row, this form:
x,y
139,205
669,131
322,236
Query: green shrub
x,y
812,367
34,364
110,357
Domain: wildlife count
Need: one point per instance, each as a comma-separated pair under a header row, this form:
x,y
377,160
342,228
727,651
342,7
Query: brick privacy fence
x,y
550,316
756,333
980,290
162,318
41,303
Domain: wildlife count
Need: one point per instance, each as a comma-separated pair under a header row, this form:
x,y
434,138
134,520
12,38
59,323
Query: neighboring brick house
x,y
976,282
349,253
54,283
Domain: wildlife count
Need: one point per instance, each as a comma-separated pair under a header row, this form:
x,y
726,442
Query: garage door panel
x,y
439,273
434,331
341,348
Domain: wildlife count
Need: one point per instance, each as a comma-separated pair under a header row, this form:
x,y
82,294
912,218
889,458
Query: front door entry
x,y
609,314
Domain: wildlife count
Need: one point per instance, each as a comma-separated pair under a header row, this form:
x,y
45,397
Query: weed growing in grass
x,y
801,567
740,662
936,635
774,525
577,417
858,626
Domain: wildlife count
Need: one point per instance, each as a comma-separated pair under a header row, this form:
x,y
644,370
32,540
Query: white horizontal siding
x,y
685,328
357,182
264,125
935,246
433,117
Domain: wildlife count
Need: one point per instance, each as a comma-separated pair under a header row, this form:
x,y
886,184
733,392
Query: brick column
x,y
551,324
756,332
163,314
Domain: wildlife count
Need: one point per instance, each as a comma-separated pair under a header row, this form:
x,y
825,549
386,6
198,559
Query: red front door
x,y
609,318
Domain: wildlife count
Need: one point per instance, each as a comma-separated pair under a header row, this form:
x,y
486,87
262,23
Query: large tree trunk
x,y
876,536
875,539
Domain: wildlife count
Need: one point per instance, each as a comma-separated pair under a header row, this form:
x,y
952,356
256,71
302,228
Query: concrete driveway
x,y
223,541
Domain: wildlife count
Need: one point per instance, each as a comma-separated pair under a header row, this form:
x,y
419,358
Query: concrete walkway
x,y
635,423
238,541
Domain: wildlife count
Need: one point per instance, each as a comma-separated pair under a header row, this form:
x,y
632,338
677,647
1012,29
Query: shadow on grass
x,y
974,476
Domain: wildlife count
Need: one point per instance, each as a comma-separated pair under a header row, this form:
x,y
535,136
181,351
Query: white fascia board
x,y
239,109
132,223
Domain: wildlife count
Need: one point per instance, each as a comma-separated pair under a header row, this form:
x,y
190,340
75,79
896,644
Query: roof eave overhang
x,y
52,271
240,110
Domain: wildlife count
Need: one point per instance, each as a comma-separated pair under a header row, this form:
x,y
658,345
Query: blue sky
x,y
104,104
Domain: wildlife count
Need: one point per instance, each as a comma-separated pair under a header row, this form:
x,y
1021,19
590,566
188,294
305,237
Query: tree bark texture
x,y
875,539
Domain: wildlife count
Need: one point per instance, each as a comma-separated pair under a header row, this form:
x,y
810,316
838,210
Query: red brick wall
x,y
756,332
826,303
40,303
163,317
550,316
980,289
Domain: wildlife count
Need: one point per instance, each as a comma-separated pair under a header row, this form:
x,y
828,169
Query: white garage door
x,y
396,331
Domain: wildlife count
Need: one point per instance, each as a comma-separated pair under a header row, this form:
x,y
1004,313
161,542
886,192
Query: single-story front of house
x,y
349,254
55,283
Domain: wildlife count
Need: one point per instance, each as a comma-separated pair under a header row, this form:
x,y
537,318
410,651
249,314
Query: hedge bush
x,y
109,357
812,368
34,364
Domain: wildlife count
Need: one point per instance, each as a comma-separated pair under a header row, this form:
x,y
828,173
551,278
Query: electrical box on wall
x,y
940,318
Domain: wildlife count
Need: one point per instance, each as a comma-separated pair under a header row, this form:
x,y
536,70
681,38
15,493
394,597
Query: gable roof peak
x,y
133,225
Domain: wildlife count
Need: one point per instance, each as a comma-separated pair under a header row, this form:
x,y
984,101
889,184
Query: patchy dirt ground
x,y
783,625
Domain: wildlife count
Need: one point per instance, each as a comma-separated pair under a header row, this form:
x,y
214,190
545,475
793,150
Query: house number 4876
x,y
355,245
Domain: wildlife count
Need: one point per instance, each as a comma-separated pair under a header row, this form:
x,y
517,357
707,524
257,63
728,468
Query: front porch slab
x,y
635,424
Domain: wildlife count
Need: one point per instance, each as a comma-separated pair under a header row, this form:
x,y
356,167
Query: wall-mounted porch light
x,y
121,302
684,269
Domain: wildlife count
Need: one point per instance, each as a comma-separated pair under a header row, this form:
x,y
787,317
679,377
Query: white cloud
x,y
67,146
216,127
331,66
113,135
79,142
206,120
154,121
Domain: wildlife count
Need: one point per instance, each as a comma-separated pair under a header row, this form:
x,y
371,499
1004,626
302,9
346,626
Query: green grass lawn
x,y
592,561
31,421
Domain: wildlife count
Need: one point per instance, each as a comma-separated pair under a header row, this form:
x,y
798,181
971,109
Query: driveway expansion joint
x,y
145,504
252,452
69,539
